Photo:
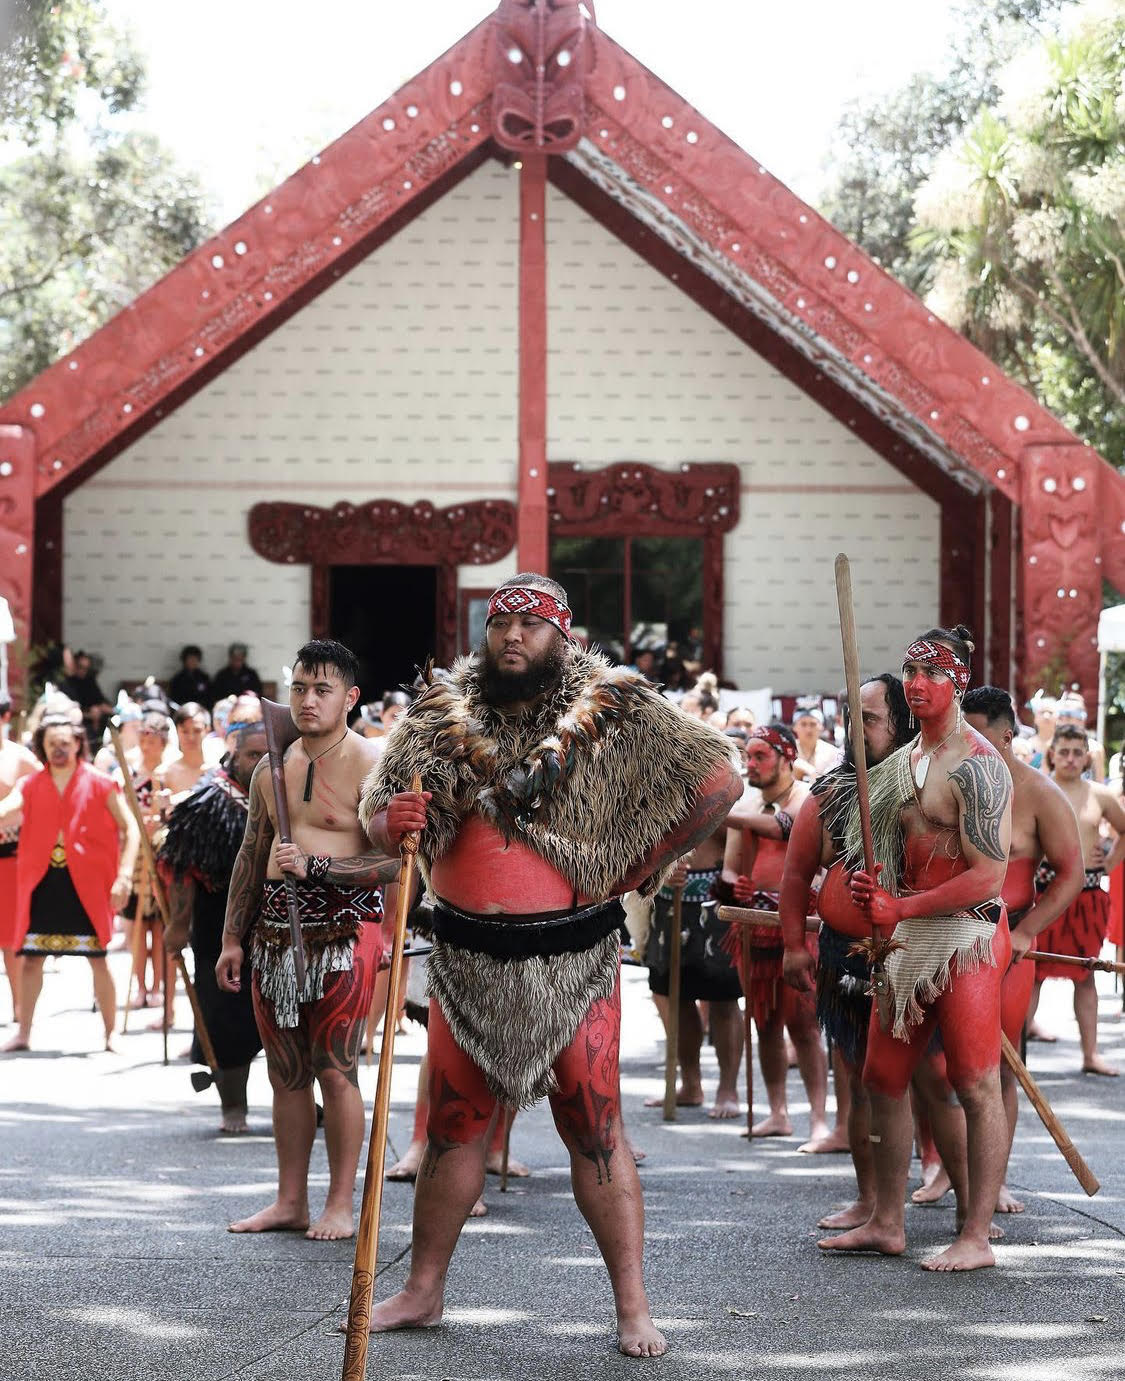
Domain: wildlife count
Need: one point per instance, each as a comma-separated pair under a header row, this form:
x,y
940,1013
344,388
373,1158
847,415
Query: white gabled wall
x,y
640,372
399,382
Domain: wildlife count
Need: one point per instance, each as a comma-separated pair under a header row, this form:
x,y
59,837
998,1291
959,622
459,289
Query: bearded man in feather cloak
x,y
553,783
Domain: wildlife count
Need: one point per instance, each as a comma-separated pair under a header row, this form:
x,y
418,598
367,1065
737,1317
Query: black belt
x,y
540,934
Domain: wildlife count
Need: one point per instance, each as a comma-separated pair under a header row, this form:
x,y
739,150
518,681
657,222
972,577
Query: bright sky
x,y
246,90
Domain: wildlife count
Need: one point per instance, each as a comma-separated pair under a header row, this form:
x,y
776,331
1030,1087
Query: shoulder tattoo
x,y
986,788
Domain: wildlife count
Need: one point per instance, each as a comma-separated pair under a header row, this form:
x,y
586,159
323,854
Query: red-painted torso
x,y
769,863
89,835
836,908
484,874
1019,884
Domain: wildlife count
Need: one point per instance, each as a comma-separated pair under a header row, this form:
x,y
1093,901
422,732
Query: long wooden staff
x,y
1082,1172
745,977
879,947
137,948
752,916
675,965
367,1238
1076,961
509,1116
162,905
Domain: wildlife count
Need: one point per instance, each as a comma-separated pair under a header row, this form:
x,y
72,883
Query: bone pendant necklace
x,y
307,796
922,767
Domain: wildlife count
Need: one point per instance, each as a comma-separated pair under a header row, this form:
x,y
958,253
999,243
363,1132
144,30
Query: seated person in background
x,y
191,683
236,677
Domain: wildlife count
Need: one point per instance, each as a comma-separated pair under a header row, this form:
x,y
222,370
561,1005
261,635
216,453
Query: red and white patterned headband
x,y
941,658
523,599
778,742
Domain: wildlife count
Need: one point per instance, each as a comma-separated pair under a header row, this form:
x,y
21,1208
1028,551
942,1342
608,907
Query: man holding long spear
x,y
952,798
315,1030
552,783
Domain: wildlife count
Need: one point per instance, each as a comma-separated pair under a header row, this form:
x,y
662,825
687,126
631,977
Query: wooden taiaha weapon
x,y
746,861
1082,1172
751,916
367,1237
1076,961
280,733
675,965
509,1117
137,948
878,947
162,906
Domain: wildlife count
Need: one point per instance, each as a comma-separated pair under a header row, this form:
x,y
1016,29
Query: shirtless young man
x,y
758,831
317,1033
183,773
1043,829
952,800
16,762
820,840
1081,929
553,783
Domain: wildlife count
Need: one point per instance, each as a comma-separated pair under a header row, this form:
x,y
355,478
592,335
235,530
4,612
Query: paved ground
x,y
114,1263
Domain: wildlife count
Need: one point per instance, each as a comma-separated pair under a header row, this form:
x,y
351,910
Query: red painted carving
x,y
384,533
1061,567
539,63
17,530
642,501
638,500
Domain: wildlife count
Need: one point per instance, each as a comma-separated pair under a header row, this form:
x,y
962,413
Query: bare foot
x,y
961,1256
160,1024
1035,1032
406,1167
938,1187
726,1107
827,1143
17,1042
138,1001
516,1168
276,1218
635,1151
333,1225
479,1209
1005,1203
111,1043
234,1122
867,1238
853,1217
1096,1065
408,1309
777,1124
638,1336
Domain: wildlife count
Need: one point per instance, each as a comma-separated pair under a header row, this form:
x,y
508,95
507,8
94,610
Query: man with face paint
x,y
950,797
758,831
552,784
74,865
1081,929
1044,830
820,839
198,854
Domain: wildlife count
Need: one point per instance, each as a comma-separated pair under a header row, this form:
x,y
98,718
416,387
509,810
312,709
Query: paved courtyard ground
x,y
115,1191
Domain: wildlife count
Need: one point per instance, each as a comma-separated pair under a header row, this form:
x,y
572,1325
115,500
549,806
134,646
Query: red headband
x,y
778,742
940,657
523,599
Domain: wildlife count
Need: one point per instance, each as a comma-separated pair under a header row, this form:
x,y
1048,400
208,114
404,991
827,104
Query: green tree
x,y
1021,224
91,212
890,145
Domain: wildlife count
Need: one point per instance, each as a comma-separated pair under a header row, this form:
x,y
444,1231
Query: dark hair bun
x,y
965,634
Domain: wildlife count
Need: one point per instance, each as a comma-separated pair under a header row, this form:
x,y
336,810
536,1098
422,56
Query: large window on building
x,y
634,593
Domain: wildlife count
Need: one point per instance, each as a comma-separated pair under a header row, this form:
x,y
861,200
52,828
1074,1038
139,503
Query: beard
x,y
540,675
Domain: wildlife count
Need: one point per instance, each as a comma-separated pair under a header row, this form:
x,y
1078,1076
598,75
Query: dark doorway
x,y
387,616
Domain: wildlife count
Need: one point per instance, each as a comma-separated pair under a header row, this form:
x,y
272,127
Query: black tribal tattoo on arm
x,y
253,857
363,870
986,789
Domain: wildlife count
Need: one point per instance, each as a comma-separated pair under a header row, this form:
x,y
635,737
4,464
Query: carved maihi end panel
x,y
539,56
384,533
1062,566
689,501
17,526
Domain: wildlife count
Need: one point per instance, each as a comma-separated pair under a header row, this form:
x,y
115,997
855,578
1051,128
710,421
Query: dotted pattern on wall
x,y
400,381
637,371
